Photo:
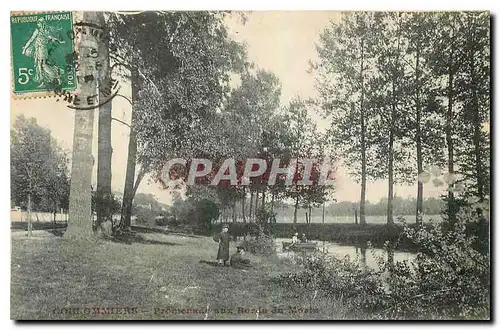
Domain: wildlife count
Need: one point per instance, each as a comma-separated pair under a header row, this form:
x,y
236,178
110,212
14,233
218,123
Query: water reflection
x,y
366,256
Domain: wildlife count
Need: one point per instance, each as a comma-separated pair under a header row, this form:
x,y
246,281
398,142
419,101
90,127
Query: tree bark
x,y
128,194
104,199
80,212
104,155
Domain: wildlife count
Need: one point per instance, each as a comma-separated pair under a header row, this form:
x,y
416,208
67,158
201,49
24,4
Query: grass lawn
x,y
160,277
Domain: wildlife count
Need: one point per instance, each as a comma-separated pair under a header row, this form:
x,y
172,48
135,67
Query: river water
x,y
366,256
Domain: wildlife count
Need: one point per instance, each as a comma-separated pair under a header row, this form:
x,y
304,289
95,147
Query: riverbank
x,y
342,233
161,276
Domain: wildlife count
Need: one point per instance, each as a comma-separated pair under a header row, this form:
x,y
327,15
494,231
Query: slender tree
x,y
343,74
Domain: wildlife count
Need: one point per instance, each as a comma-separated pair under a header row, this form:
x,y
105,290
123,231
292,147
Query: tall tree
x,y
128,191
249,112
197,58
302,134
444,62
104,152
343,72
473,85
388,102
80,213
422,115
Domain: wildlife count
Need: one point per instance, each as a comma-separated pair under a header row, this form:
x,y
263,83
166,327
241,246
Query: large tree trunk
x,y
128,194
80,212
104,197
104,154
362,202
418,108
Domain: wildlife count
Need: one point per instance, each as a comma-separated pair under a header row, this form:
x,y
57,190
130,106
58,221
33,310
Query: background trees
x,y
403,92
344,69
173,98
38,167
407,91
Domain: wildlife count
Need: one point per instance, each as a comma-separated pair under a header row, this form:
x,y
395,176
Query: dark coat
x,y
223,239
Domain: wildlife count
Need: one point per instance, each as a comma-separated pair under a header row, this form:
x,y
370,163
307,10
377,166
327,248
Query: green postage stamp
x,y
41,46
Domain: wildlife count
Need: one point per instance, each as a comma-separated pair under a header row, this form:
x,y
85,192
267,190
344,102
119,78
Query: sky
x,y
282,42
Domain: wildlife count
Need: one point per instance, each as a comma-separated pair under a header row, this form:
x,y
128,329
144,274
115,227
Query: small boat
x,y
307,246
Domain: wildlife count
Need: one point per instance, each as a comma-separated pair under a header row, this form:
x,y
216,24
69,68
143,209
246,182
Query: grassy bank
x,y
157,277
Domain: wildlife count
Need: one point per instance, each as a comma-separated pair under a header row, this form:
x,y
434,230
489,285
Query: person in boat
x,y
223,239
295,240
303,238
237,261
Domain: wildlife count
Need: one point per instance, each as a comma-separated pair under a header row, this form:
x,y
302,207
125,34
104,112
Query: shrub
x,y
201,216
449,278
340,279
261,244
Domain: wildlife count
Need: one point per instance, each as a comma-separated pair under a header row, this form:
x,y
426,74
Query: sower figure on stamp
x,y
40,46
223,239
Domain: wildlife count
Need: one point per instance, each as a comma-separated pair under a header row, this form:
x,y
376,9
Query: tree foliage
x,y
39,167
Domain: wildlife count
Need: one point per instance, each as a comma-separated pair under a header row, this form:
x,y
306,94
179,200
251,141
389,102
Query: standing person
x,y
223,240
